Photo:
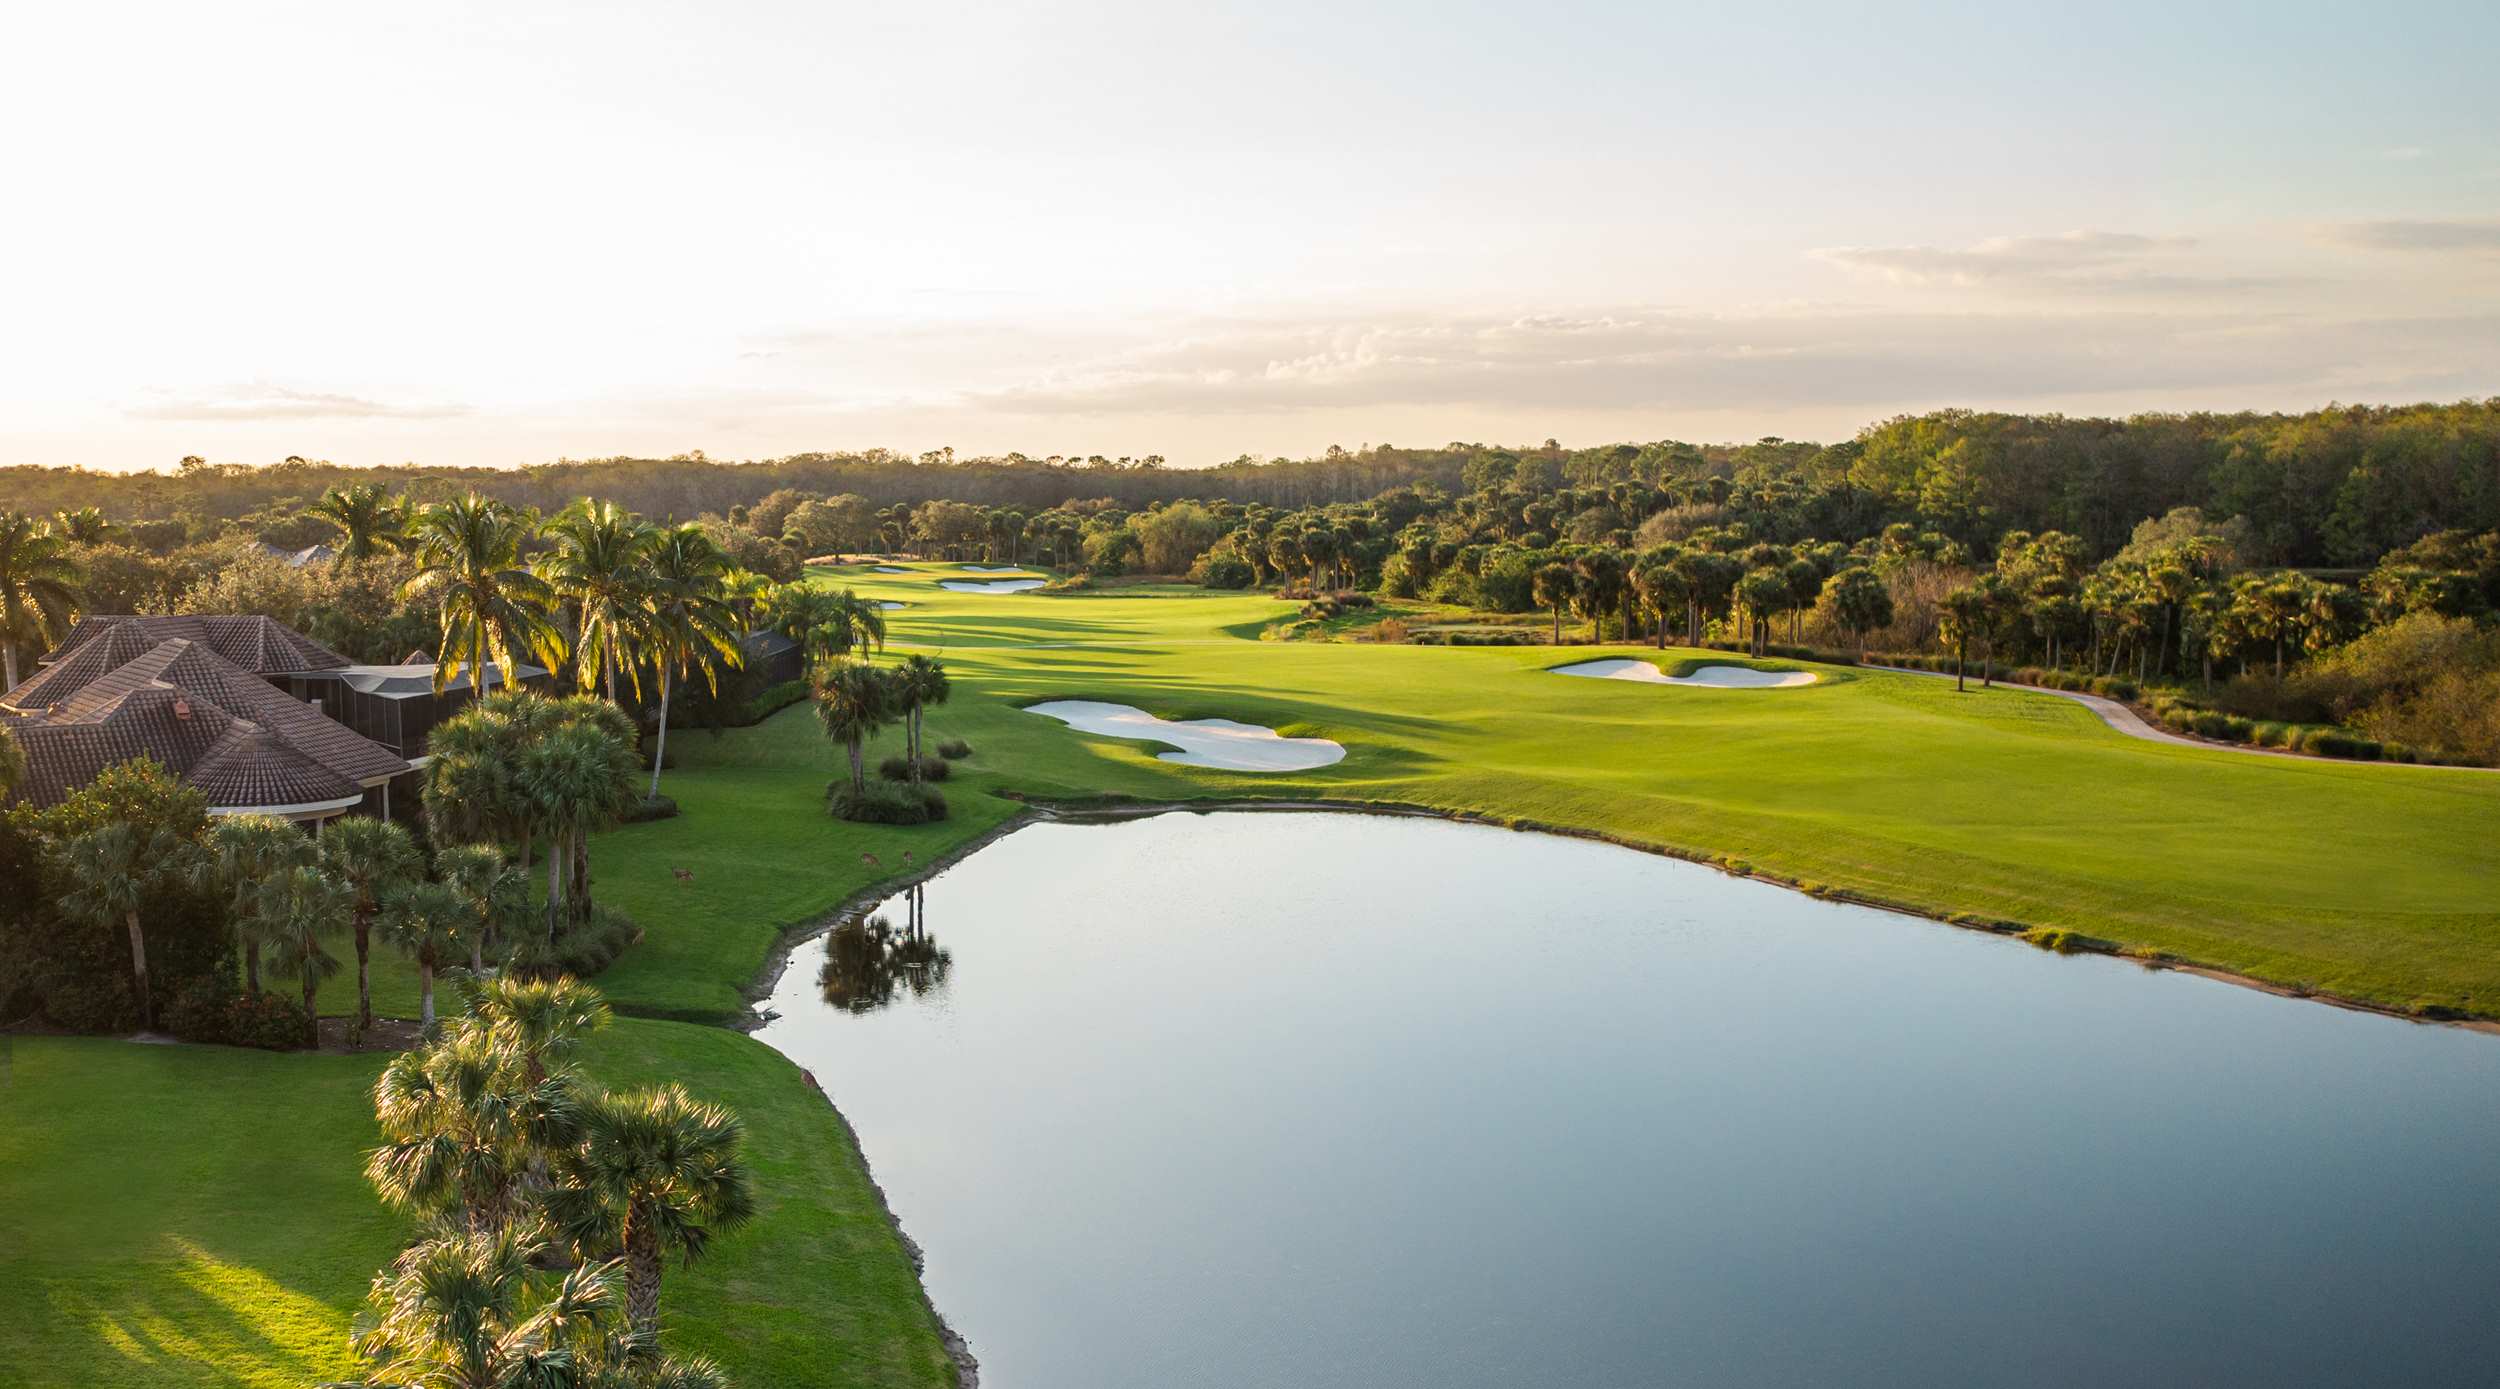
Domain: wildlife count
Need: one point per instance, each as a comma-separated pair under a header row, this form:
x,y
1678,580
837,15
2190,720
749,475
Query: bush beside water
x,y
883,802
898,768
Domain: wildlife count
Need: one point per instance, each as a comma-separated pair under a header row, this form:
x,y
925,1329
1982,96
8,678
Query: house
x,y
260,717
774,658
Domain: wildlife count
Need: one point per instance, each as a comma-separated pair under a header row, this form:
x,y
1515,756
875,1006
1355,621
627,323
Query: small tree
x,y
1861,602
298,905
919,682
1965,615
1554,586
243,853
372,858
111,873
426,922
853,702
655,1173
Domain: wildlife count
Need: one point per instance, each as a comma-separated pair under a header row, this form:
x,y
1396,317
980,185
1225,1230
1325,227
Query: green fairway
x,y
181,1215
2374,882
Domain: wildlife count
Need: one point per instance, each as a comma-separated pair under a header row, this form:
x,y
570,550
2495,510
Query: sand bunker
x,y
993,568
888,569
990,585
1708,677
890,605
1238,747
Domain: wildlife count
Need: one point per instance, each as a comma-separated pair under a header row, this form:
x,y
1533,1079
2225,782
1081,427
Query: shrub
x,y
898,768
1225,571
773,700
581,949
2271,734
2115,687
271,1022
954,749
652,808
1387,630
197,1011
2256,694
93,1003
2334,742
2063,941
885,803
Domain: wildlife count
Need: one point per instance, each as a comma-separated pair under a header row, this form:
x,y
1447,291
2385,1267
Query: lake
x,y
1308,1099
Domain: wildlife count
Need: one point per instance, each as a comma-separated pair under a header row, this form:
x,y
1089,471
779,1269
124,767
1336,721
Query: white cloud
x,y
2076,258
2448,237
261,401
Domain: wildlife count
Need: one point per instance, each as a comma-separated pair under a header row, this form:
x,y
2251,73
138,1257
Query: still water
x,y
1322,1100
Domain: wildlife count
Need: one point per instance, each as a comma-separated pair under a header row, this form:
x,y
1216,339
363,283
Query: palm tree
x,y
656,1173
1601,586
466,1123
692,626
112,873
579,779
301,903
493,607
1965,614
1660,588
540,1020
601,566
12,763
918,682
853,702
745,589
827,624
1554,586
371,521
38,589
467,1311
243,852
85,526
493,892
372,858
428,923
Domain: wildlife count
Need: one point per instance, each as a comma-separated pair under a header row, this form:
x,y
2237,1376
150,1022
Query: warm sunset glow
x,y
480,233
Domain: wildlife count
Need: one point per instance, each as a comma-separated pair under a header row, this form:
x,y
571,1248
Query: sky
x,y
504,234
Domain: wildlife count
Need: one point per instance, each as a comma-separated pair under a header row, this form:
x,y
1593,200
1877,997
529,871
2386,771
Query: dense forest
x,y
2333,488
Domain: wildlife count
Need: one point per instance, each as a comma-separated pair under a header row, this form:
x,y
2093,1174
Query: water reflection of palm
x,y
870,964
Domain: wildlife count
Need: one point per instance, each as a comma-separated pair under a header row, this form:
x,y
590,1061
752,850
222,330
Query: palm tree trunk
x,y
859,782
642,1275
580,895
8,663
555,881
477,951
139,970
425,993
659,753
364,965
312,1012
1558,624
1961,660
251,967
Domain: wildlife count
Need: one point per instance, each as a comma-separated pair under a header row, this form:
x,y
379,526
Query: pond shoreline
x,y
1113,810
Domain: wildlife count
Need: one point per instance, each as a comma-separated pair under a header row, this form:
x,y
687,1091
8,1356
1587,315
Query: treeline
x,y
2331,488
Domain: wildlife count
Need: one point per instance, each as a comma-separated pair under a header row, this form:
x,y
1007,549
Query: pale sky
x,y
502,234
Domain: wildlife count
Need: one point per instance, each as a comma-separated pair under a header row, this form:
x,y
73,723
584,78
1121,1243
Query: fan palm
x,y
493,892
427,922
38,589
373,858
853,702
918,683
540,1020
493,607
692,626
112,873
578,779
243,852
370,519
298,906
465,1124
656,1173
85,526
600,565
467,1311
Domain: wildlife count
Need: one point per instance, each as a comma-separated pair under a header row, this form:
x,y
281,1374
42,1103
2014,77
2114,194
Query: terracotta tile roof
x,y
241,739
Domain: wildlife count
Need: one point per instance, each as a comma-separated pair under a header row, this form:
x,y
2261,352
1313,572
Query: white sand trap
x,y
990,585
1708,677
993,568
1237,747
888,569
890,605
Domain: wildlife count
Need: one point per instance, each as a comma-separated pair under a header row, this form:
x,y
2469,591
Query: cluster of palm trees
x,y
521,772
547,1206
854,700
2153,615
39,583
